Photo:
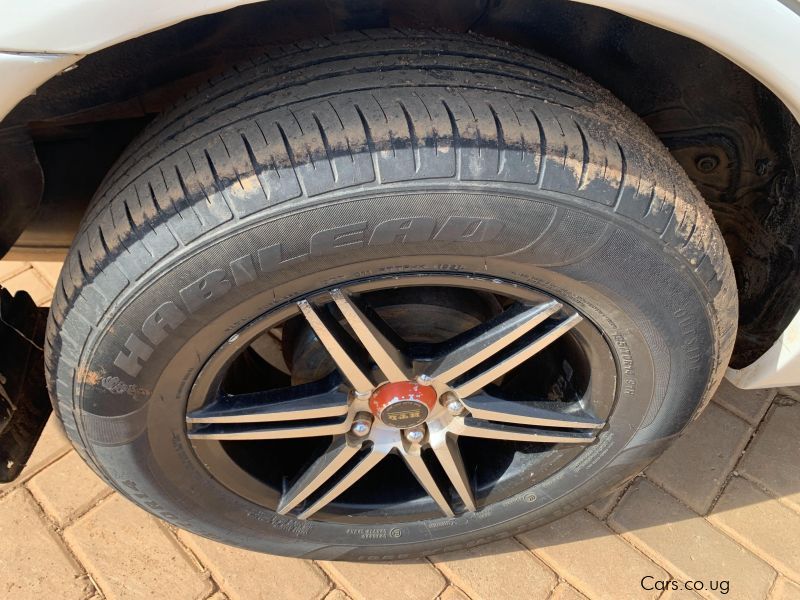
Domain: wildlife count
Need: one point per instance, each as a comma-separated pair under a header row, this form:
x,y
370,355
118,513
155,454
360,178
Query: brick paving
x,y
723,503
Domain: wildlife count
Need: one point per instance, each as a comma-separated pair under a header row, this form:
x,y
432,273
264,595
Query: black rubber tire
x,y
309,152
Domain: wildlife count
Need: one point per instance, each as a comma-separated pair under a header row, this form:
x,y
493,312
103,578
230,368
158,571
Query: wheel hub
x,y
403,404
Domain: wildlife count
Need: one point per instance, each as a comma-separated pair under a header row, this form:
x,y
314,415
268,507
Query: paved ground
x,y
723,504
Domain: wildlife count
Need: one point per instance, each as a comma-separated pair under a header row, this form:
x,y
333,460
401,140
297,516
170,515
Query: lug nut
x,y
416,434
361,424
452,403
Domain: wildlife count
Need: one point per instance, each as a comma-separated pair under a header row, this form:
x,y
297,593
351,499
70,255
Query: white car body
x,y
40,39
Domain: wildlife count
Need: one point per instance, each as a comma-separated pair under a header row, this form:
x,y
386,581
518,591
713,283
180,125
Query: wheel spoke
x,y
388,358
307,401
447,452
373,457
307,410
413,457
334,340
253,432
489,339
546,414
507,363
477,428
321,470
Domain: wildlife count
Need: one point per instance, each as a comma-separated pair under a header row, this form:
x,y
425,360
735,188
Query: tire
x,y
353,158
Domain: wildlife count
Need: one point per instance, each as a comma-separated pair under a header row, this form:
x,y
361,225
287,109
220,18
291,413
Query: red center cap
x,y
403,404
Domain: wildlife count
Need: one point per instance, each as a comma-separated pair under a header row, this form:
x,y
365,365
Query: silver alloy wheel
x,y
354,418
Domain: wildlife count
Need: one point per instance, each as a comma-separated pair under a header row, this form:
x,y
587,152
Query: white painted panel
x,y
21,74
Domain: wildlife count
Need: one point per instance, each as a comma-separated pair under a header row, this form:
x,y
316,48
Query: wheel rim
x,y
438,406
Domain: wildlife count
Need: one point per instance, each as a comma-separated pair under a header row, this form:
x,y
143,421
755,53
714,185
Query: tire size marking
x,y
688,327
371,533
626,364
624,354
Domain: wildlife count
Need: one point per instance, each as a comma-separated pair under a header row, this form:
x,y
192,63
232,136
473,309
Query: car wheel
x,y
387,294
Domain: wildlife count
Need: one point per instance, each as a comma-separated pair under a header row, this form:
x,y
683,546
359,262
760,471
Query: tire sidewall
x,y
133,425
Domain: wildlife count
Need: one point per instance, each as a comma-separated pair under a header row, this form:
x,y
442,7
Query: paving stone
x,y
503,569
245,575
49,271
785,590
774,455
603,507
52,445
695,467
67,488
410,579
564,591
31,282
760,523
680,594
131,556
578,547
34,563
9,268
453,593
791,392
685,544
748,404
